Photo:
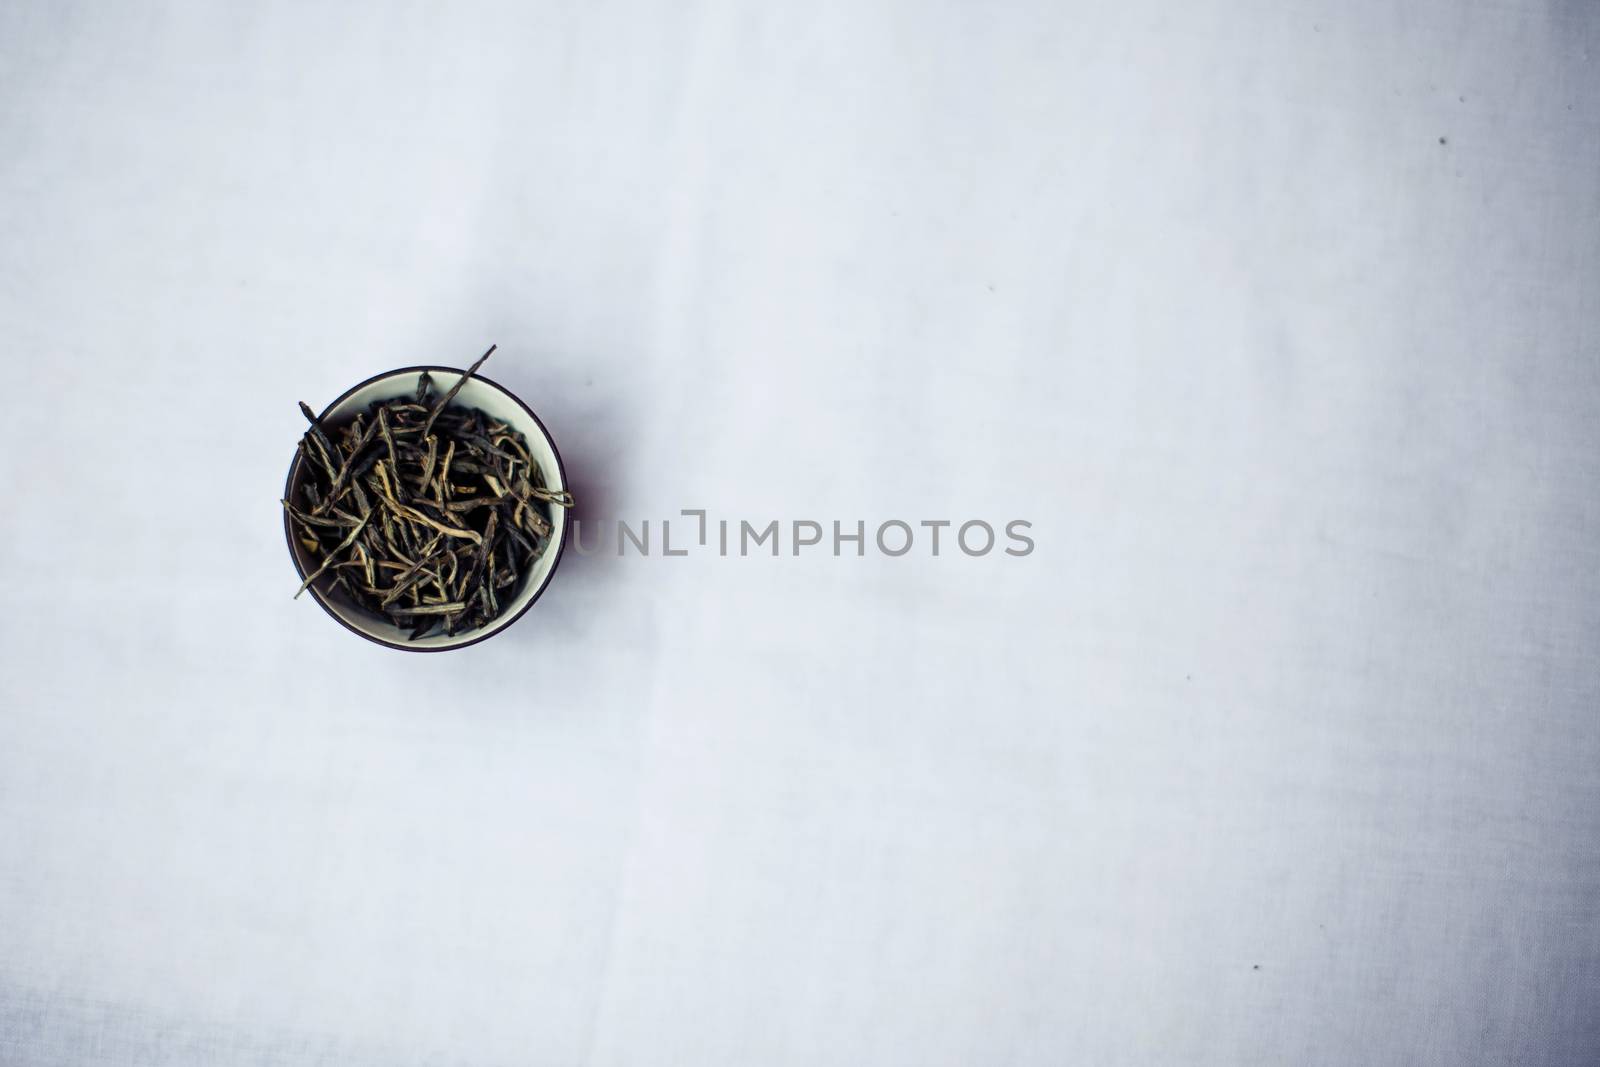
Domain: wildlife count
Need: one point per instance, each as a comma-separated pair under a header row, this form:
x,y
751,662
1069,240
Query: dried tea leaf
x,y
425,512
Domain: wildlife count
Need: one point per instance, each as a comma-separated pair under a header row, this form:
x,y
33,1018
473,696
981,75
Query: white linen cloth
x,y
1276,319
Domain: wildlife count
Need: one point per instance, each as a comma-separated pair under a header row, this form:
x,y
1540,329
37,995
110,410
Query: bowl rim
x,y
561,528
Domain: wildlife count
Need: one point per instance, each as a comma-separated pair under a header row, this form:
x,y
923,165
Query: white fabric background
x,y
1278,320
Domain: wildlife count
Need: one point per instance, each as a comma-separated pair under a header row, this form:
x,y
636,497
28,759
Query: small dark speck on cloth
x,y
1444,140
1255,966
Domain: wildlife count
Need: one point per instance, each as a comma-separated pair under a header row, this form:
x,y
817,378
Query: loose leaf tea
x,y
421,510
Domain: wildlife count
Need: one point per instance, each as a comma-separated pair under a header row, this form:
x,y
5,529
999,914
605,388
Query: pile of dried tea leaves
x,y
421,510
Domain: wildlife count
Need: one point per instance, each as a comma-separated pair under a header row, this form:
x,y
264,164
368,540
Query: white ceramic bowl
x,y
499,403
